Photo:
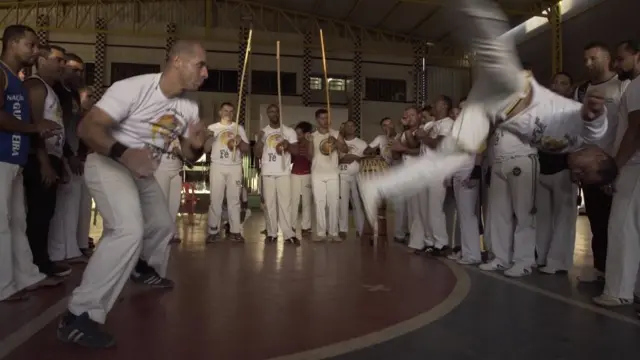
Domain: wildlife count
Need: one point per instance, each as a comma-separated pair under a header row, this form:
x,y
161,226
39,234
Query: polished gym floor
x,y
333,300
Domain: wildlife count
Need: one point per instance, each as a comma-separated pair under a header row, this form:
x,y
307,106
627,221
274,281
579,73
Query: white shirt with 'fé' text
x,y
220,152
272,163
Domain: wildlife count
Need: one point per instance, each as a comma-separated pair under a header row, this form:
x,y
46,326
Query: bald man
x,y
129,130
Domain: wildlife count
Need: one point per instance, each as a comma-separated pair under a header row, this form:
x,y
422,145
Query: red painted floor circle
x,y
257,301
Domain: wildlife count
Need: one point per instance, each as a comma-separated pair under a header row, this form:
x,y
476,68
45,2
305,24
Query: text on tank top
x,y
14,147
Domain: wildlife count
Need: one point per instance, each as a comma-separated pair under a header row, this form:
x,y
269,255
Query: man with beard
x,y
44,170
68,237
17,270
623,250
598,199
274,146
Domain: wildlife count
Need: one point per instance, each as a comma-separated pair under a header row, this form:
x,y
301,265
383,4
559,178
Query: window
x,y
225,81
266,83
89,73
336,83
385,90
315,83
121,71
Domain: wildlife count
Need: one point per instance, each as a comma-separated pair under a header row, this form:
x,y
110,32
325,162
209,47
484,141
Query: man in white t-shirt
x,y
604,80
622,282
227,144
274,146
349,167
325,145
434,217
129,129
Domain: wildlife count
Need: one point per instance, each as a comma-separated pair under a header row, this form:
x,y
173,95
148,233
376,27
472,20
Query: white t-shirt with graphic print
x,y
145,116
630,102
382,142
220,152
272,163
356,147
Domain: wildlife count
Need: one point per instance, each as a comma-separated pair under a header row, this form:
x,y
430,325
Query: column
x,y
42,23
419,76
100,59
555,20
356,99
306,69
243,37
171,38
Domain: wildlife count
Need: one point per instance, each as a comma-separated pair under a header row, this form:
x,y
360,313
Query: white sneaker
x,y
454,256
610,301
518,270
551,270
370,199
463,261
493,265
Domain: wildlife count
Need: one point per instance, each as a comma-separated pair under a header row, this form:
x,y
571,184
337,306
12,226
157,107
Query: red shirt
x,y
301,164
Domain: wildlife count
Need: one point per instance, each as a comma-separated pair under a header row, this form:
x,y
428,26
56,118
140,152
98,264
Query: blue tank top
x,y
14,147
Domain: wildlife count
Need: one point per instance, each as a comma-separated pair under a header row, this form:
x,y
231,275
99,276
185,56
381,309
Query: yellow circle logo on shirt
x,y
273,140
326,147
225,136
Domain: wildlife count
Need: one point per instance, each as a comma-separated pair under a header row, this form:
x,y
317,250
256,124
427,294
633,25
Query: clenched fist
x,y
593,106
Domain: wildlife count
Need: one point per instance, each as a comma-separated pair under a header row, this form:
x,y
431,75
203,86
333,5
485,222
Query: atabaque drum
x,y
371,168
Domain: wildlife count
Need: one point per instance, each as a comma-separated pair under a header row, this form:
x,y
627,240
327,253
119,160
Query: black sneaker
x,y
237,238
56,269
270,239
83,331
151,279
439,252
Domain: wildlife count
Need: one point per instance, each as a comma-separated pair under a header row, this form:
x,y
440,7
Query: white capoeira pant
x,y
400,219
417,207
511,216
326,194
170,181
466,198
69,230
622,277
301,190
349,193
225,180
17,270
556,217
276,190
434,217
136,223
